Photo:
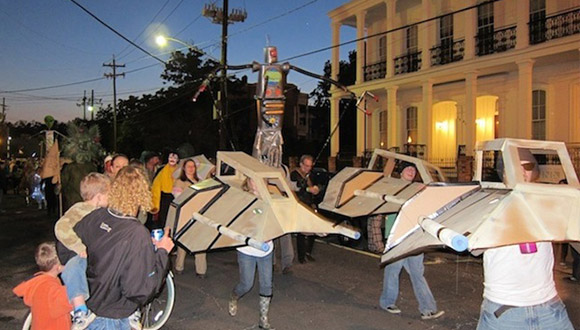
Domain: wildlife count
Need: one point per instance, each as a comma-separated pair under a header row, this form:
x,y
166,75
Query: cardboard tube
x,y
231,233
447,236
384,197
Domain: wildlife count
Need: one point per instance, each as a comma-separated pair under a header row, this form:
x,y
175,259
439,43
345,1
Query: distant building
x,y
509,68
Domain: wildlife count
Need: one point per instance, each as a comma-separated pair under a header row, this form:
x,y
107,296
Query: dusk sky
x,y
46,43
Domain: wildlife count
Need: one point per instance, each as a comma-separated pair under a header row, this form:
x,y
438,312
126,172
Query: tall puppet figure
x,y
270,105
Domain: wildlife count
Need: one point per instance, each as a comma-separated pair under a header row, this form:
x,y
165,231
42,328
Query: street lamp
x,y
162,41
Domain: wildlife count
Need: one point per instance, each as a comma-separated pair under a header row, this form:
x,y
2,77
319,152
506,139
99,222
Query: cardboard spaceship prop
x,y
378,189
217,213
203,167
499,208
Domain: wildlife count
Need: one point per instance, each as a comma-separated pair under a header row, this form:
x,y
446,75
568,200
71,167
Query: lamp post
x,y
162,41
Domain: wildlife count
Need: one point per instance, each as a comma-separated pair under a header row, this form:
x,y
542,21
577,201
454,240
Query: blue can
x,y
157,234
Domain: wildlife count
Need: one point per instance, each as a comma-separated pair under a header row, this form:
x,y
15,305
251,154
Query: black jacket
x,y
124,270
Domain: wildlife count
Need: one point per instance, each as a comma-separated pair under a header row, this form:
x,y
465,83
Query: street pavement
x,y
340,290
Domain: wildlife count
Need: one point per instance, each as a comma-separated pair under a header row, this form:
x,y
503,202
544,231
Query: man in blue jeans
x,y
414,267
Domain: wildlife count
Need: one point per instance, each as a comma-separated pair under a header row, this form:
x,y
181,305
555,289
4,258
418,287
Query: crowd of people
x,y
127,267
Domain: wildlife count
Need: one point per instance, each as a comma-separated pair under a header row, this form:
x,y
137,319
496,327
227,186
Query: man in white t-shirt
x,y
519,290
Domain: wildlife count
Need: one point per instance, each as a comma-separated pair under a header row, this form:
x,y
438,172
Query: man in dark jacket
x,y
125,269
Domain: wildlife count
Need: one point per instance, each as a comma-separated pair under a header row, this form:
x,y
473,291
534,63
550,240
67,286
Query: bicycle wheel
x,y
157,311
27,322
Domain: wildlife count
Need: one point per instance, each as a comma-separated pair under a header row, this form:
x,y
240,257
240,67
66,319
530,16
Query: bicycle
x,y
154,314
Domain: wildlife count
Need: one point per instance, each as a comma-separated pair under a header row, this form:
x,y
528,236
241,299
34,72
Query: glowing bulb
x,y
409,140
161,41
480,122
442,125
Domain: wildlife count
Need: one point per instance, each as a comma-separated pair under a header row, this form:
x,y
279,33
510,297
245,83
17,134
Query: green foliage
x,y
82,144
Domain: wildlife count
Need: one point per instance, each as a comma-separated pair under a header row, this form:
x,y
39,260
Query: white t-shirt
x,y
248,250
516,279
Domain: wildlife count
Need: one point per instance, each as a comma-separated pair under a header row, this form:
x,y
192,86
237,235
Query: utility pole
x,y
114,76
84,105
92,106
223,17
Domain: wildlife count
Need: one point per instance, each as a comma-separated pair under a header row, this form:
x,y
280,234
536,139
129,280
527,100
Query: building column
x,y
523,30
334,115
525,73
391,38
425,125
470,26
470,111
360,46
335,61
361,131
574,110
392,121
425,39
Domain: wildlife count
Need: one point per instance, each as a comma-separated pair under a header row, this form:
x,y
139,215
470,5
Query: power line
x,y
143,31
116,32
163,21
387,32
53,86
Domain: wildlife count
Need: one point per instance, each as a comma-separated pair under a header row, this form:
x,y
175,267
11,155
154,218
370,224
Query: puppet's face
x,y
173,159
49,121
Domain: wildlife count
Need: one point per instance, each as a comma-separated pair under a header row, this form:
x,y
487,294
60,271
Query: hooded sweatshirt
x,y
47,299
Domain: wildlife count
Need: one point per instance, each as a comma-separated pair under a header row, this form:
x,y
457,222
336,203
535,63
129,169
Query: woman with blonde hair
x,y
188,177
124,268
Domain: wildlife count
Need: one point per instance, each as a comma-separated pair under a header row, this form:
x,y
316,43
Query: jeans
x,y
414,267
247,266
304,244
74,277
549,315
284,244
103,323
576,263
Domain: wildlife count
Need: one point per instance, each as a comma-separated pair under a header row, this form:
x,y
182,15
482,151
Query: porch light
x,y
442,125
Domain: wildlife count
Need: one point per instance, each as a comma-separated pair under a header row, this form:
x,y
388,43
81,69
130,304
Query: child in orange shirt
x,y
45,294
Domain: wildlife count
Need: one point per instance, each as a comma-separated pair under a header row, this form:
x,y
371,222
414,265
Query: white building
x,y
451,72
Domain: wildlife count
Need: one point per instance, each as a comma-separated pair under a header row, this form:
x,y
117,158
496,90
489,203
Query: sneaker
x,y
432,315
81,320
393,309
135,320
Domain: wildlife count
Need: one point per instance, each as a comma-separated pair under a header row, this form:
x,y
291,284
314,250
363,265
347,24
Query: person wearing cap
x,y
519,290
107,165
415,268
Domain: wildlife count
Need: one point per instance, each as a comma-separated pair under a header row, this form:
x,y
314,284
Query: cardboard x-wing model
x,y
378,189
218,213
499,208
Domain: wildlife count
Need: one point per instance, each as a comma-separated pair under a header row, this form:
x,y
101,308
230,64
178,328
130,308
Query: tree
x,y
321,107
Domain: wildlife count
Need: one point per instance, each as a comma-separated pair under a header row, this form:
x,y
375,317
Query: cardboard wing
x,y
356,192
493,217
218,213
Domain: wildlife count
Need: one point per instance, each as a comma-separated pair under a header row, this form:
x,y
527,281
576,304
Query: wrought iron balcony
x,y
448,53
410,62
496,41
555,26
375,71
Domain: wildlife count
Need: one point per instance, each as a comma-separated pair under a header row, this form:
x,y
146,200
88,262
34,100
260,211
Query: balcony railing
x,y
375,71
496,41
410,62
444,54
555,26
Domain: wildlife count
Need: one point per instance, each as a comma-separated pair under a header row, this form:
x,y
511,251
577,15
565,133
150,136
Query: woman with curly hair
x,y
124,268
